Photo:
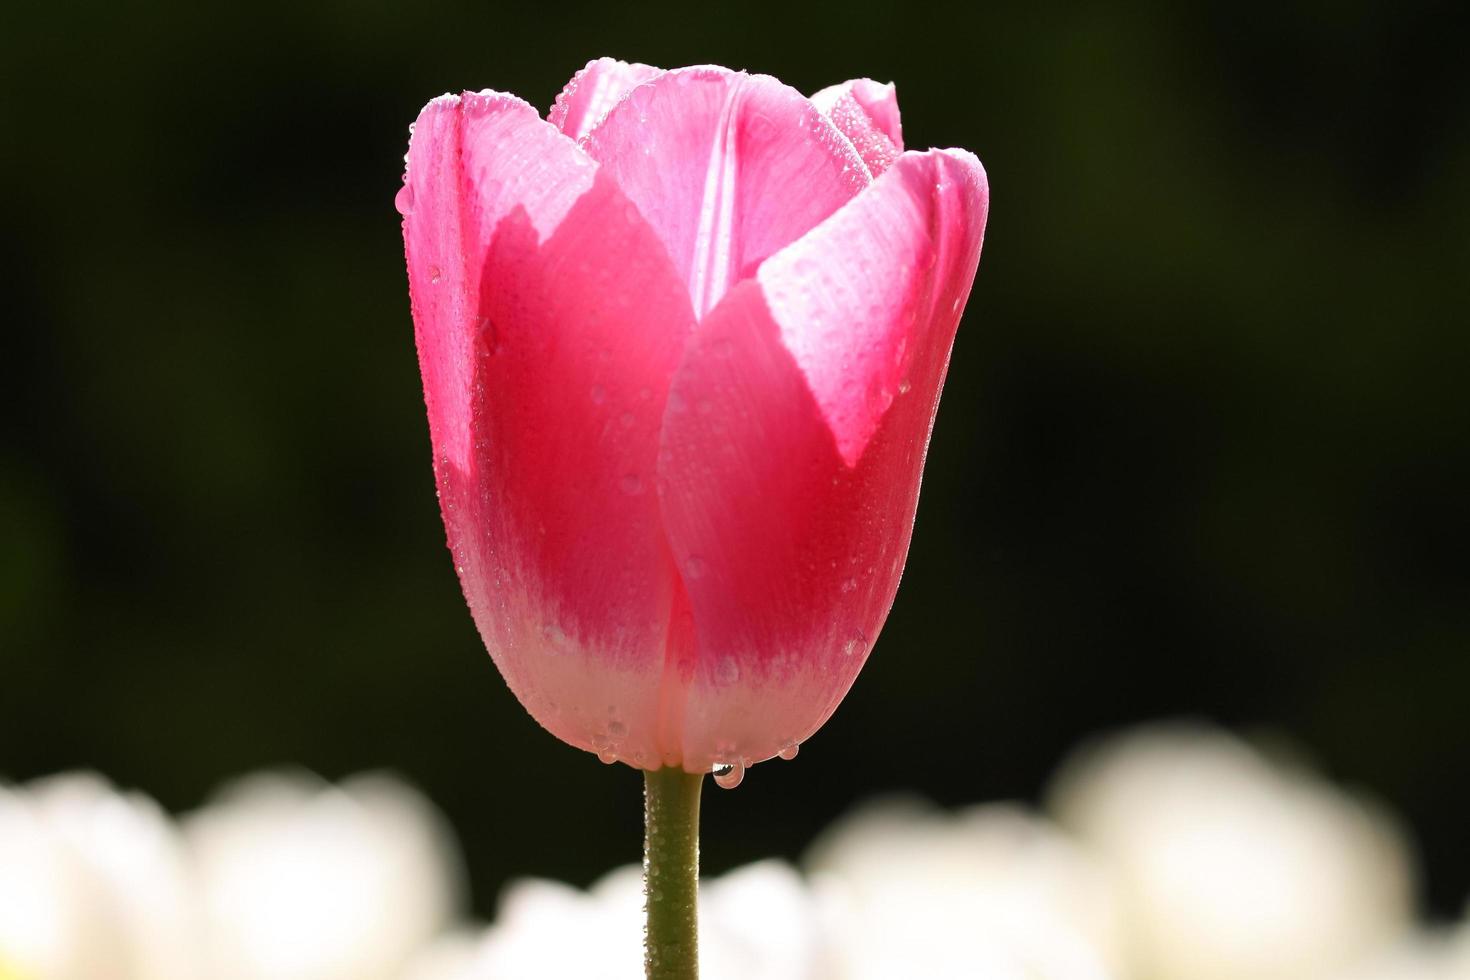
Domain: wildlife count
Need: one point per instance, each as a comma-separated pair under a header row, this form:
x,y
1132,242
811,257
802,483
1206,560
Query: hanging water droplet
x,y
403,200
729,774
607,756
789,750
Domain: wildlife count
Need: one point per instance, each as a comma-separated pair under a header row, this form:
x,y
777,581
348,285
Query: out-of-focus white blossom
x,y
757,921
1233,866
92,885
989,893
1442,954
301,880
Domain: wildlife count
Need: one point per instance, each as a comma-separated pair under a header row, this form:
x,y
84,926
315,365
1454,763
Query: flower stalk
x,y
671,873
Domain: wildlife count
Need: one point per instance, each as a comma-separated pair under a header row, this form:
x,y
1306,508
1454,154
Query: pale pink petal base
x,y
789,489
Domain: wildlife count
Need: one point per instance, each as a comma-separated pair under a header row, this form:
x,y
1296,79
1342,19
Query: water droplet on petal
x,y
599,394
856,645
729,774
631,484
434,274
403,200
607,756
696,567
616,729
905,386
789,750
849,585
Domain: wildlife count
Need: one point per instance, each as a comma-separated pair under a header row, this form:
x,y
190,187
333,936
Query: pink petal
x,y
727,167
593,91
549,322
793,445
867,114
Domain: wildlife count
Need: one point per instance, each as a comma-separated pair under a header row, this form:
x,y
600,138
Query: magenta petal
x,y
727,167
549,322
793,446
592,93
866,112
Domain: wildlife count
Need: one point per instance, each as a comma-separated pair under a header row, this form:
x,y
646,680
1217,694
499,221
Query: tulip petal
x,y
866,112
593,91
793,445
549,322
727,167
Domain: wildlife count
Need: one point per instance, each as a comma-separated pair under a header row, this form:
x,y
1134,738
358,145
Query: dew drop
x,y
905,386
849,585
486,330
856,645
789,750
403,200
616,729
599,394
607,756
696,567
729,774
434,274
631,484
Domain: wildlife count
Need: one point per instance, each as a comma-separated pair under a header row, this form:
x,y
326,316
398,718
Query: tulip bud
x,y
682,344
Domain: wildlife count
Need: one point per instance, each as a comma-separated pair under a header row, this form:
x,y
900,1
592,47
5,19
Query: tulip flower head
x,y
682,343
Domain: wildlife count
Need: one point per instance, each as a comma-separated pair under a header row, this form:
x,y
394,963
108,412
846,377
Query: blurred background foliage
x,y
1202,451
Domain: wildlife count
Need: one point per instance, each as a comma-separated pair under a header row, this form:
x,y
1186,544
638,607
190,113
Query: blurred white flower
x,y
1232,866
92,885
301,880
757,921
992,892
1427,955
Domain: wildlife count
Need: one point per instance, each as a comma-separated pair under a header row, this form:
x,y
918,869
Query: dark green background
x,y
1202,451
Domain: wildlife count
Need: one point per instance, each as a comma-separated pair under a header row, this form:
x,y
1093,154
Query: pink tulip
x,y
682,344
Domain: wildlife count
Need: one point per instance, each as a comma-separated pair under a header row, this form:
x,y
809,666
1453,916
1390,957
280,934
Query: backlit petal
x,y
793,445
727,167
592,93
549,322
866,112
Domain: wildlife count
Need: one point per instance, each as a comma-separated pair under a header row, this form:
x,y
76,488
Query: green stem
x,y
671,873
